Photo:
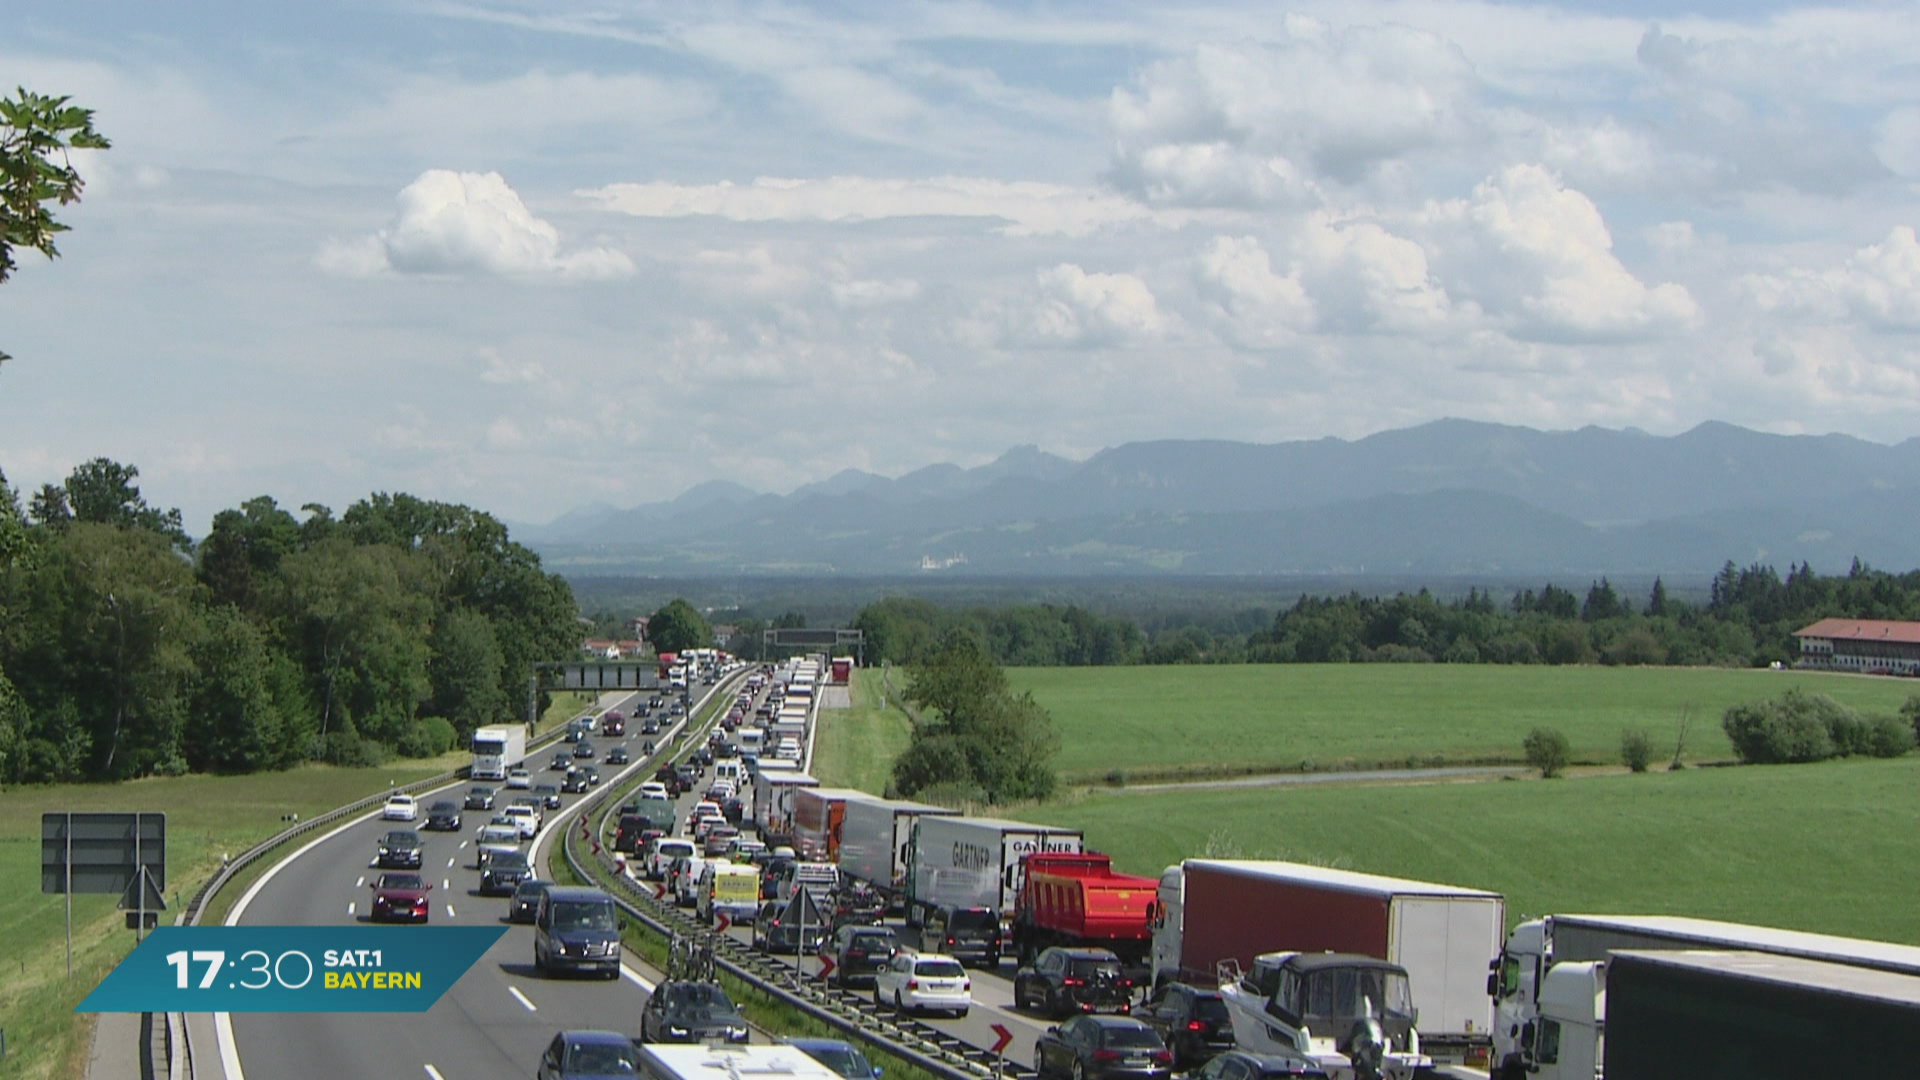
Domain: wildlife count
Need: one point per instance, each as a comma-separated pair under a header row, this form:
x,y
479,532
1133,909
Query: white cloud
x,y
1081,308
1898,142
467,223
503,372
1879,283
856,294
1027,207
1260,308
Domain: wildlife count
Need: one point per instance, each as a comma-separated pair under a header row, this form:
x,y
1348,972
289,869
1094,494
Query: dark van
x,y
576,929
968,933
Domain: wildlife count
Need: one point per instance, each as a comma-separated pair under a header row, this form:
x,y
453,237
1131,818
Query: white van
x,y
728,771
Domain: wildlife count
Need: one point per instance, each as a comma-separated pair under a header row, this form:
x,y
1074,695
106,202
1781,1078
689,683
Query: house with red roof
x,y
1871,646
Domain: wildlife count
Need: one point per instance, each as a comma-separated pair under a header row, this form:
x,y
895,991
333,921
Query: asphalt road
x,y
495,1021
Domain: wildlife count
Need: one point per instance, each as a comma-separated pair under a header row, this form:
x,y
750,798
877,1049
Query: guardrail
x,y
937,1052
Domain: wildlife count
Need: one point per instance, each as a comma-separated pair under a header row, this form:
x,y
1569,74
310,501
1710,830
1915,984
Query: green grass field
x,y
1167,722
206,816
855,747
1833,847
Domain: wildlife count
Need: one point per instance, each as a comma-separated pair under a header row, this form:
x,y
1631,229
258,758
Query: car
x,y
400,897
702,756
444,816
548,794
613,724
719,791
747,850
650,726
921,982
495,839
575,783
578,929
583,749
399,849
589,1055
400,808
518,777
617,756
718,840
733,810
856,903
661,855
627,834
1102,1047
479,797
1064,980
561,762
842,1057
685,1011
859,952
1246,1065
972,933
654,789
1192,1022
504,872
525,820
526,900
593,776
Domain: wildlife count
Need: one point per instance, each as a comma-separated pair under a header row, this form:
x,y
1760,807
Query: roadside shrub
x,y
429,737
1117,777
1636,748
348,749
1794,727
1888,736
1547,750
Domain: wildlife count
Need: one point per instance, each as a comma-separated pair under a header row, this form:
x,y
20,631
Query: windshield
x,y
587,915
844,1060
1210,1008
872,941
699,998
400,881
1344,994
939,969
509,860
974,919
597,1059
400,839
1129,1036
489,746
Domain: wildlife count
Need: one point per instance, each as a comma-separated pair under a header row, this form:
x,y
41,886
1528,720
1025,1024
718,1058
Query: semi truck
x,y
1554,970
1744,1015
497,749
975,862
773,792
1078,900
1214,910
876,838
819,814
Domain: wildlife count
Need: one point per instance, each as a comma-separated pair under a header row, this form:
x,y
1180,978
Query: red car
x,y
613,723
400,898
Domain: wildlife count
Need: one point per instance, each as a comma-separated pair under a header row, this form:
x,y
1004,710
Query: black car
x,y
1099,1047
689,775
479,797
561,762
1192,1022
548,794
583,749
774,934
399,849
617,756
702,756
650,726
733,810
1064,980
526,899
1242,1065
966,933
444,816
859,951
575,783
589,1055
504,873
691,1012
670,776
592,774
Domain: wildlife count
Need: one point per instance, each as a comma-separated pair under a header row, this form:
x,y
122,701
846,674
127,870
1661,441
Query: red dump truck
x,y
1077,899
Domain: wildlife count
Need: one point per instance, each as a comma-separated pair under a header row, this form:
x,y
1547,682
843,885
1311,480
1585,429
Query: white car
x,y
654,789
665,850
923,982
400,808
519,777
527,821
706,823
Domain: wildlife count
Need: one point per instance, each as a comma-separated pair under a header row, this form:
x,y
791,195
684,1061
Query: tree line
x,y
1748,619
126,649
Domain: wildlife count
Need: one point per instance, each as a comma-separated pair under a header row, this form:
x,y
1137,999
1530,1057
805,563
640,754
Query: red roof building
x,y
1873,646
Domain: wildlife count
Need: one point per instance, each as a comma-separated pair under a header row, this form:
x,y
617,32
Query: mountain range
x,y
1448,498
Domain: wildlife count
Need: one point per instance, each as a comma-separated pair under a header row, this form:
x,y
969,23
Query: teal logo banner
x,y
290,969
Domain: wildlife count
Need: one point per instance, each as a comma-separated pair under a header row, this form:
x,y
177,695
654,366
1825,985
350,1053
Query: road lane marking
x,y
350,906
450,911
463,845
434,1073
635,978
360,883
446,883
515,991
450,861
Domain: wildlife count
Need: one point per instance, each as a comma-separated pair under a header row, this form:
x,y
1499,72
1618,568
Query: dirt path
x,y
1481,772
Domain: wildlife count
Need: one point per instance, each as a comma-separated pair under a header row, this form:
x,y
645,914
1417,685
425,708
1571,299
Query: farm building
x,y
1871,645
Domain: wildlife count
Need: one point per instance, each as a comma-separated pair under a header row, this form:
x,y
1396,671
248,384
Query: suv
x,y
691,1012
1064,980
576,928
971,933
859,952
479,797
915,982
1193,1023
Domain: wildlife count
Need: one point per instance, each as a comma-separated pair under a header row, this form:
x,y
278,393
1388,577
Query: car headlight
x,y
736,1033
383,851
677,1031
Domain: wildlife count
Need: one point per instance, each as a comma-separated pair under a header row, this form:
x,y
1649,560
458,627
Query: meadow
x,y
1832,847
1178,721
855,747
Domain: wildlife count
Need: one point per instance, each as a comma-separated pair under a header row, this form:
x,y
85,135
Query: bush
x,y
1888,736
1636,748
348,749
1547,750
425,738
1794,727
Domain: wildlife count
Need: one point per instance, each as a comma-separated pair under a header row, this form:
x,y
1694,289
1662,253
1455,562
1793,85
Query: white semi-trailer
x,y
876,837
975,862
497,749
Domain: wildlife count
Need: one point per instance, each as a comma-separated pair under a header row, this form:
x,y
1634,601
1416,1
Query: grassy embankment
x,y
855,747
1169,723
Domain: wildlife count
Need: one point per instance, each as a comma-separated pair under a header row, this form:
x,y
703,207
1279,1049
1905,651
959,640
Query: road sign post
x,y
123,853
1001,1038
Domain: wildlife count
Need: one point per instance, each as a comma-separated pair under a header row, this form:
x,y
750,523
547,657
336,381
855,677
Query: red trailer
x,y
1078,900
817,817
842,670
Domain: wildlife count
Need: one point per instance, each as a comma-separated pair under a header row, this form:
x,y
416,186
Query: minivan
x,y
577,928
970,933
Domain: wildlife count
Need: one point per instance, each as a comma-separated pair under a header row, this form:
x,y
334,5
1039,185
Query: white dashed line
x,y
450,911
450,861
463,845
446,883
350,907
360,884
515,991
434,1073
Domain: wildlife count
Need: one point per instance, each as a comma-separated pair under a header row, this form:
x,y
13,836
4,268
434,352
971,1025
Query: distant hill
x,y
1452,497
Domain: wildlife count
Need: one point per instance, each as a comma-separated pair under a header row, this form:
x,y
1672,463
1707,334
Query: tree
x,y
677,628
103,491
1547,750
1657,600
36,133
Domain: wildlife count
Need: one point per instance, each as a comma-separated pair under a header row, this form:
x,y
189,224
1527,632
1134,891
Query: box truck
x,y
773,790
974,862
1211,911
876,837
497,749
818,816
1744,1015
1554,971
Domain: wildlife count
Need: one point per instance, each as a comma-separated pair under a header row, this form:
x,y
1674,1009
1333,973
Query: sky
x,y
533,256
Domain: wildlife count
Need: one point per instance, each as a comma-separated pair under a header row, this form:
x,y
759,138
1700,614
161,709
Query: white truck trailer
x,y
497,749
876,837
975,862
